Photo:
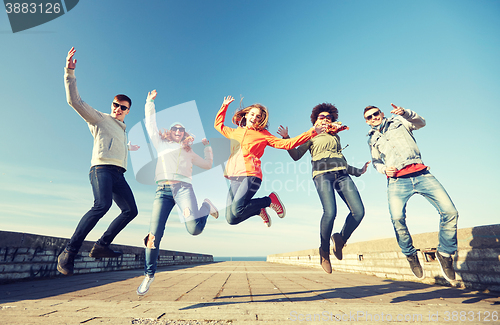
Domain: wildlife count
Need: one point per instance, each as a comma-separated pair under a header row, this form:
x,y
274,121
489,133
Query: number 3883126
x,y
33,8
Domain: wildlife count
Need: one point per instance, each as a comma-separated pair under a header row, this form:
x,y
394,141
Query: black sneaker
x,y
338,244
99,251
66,262
415,266
446,267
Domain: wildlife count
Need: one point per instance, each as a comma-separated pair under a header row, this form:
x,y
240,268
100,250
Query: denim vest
x,y
392,143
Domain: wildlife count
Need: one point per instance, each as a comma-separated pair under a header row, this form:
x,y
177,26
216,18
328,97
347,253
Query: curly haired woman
x,y
330,173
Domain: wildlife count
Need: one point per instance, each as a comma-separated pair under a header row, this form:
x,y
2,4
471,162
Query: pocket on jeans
x,y
392,180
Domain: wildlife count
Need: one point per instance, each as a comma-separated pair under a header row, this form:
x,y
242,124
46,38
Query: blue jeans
x,y
326,185
399,191
108,184
240,205
166,197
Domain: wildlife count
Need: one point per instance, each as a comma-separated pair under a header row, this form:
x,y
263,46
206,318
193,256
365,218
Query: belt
x,y
415,174
117,168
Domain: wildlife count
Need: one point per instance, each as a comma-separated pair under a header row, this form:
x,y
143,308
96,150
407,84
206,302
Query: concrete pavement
x,y
240,293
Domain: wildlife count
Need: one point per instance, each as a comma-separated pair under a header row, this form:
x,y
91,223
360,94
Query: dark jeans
x,y
108,184
326,185
240,205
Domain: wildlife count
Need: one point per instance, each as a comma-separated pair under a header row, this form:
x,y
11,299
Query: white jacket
x,y
174,163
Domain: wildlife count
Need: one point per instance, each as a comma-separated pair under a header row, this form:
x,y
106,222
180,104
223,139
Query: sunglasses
x,y
369,117
175,128
123,107
320,117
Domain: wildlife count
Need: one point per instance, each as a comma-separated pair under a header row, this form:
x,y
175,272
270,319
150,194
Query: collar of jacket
x,y
380,128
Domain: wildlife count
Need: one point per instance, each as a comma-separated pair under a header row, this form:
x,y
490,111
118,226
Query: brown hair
x,y
186,141
124,98
367,108
324,107
240,120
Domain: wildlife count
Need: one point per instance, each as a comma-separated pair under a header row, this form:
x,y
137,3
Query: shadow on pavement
x,y
390,288
46,288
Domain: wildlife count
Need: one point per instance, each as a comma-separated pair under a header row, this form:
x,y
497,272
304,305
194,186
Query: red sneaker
x,y
276,205
263,214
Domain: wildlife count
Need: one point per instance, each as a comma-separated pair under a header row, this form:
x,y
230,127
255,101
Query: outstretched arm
x,y
209,156
221,116
89,114
356,171
295,153
415,121
150,120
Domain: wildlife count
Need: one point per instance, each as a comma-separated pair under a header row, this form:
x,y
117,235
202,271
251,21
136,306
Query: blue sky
x,y
438,58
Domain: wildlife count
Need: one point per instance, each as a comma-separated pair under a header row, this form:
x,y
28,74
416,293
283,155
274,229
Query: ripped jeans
x,y
399,191
166,197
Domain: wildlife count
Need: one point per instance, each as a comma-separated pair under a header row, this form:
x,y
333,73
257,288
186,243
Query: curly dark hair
x,y
324,107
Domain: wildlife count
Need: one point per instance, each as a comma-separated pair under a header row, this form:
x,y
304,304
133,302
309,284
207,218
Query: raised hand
x,y
227,100
70,62
397,110
283,131
152,95
204,141
365,167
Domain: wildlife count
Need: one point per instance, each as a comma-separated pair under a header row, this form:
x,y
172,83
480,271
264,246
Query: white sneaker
x,y
144,287
213,210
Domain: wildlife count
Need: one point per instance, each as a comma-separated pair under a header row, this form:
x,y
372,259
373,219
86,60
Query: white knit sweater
x,y
110,139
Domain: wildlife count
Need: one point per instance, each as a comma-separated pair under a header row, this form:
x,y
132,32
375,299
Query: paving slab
x,y
241,293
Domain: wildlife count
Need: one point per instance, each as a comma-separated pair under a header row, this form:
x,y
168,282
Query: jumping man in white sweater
x,y
109,162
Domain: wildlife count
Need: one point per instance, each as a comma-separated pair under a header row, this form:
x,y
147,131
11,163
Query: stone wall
x,y
29,256
477,263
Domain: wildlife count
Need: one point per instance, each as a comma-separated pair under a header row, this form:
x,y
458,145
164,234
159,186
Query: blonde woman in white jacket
x,y
173,176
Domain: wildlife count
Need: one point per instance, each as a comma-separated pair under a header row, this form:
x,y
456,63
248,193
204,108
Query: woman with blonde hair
x,y
243,168
173,176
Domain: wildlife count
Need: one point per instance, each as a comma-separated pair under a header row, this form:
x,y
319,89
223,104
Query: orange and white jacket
x,y
247,146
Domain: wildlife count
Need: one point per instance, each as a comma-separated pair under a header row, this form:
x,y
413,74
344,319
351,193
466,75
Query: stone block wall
x,y
477,262
28,256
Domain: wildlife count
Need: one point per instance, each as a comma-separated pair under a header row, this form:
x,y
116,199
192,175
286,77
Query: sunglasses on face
x,y
175,128
320,117
369,117
123,107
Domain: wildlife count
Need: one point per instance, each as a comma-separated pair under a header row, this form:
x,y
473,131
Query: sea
x,y
239,258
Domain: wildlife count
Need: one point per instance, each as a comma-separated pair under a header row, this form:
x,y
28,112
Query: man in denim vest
x,y
395,154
